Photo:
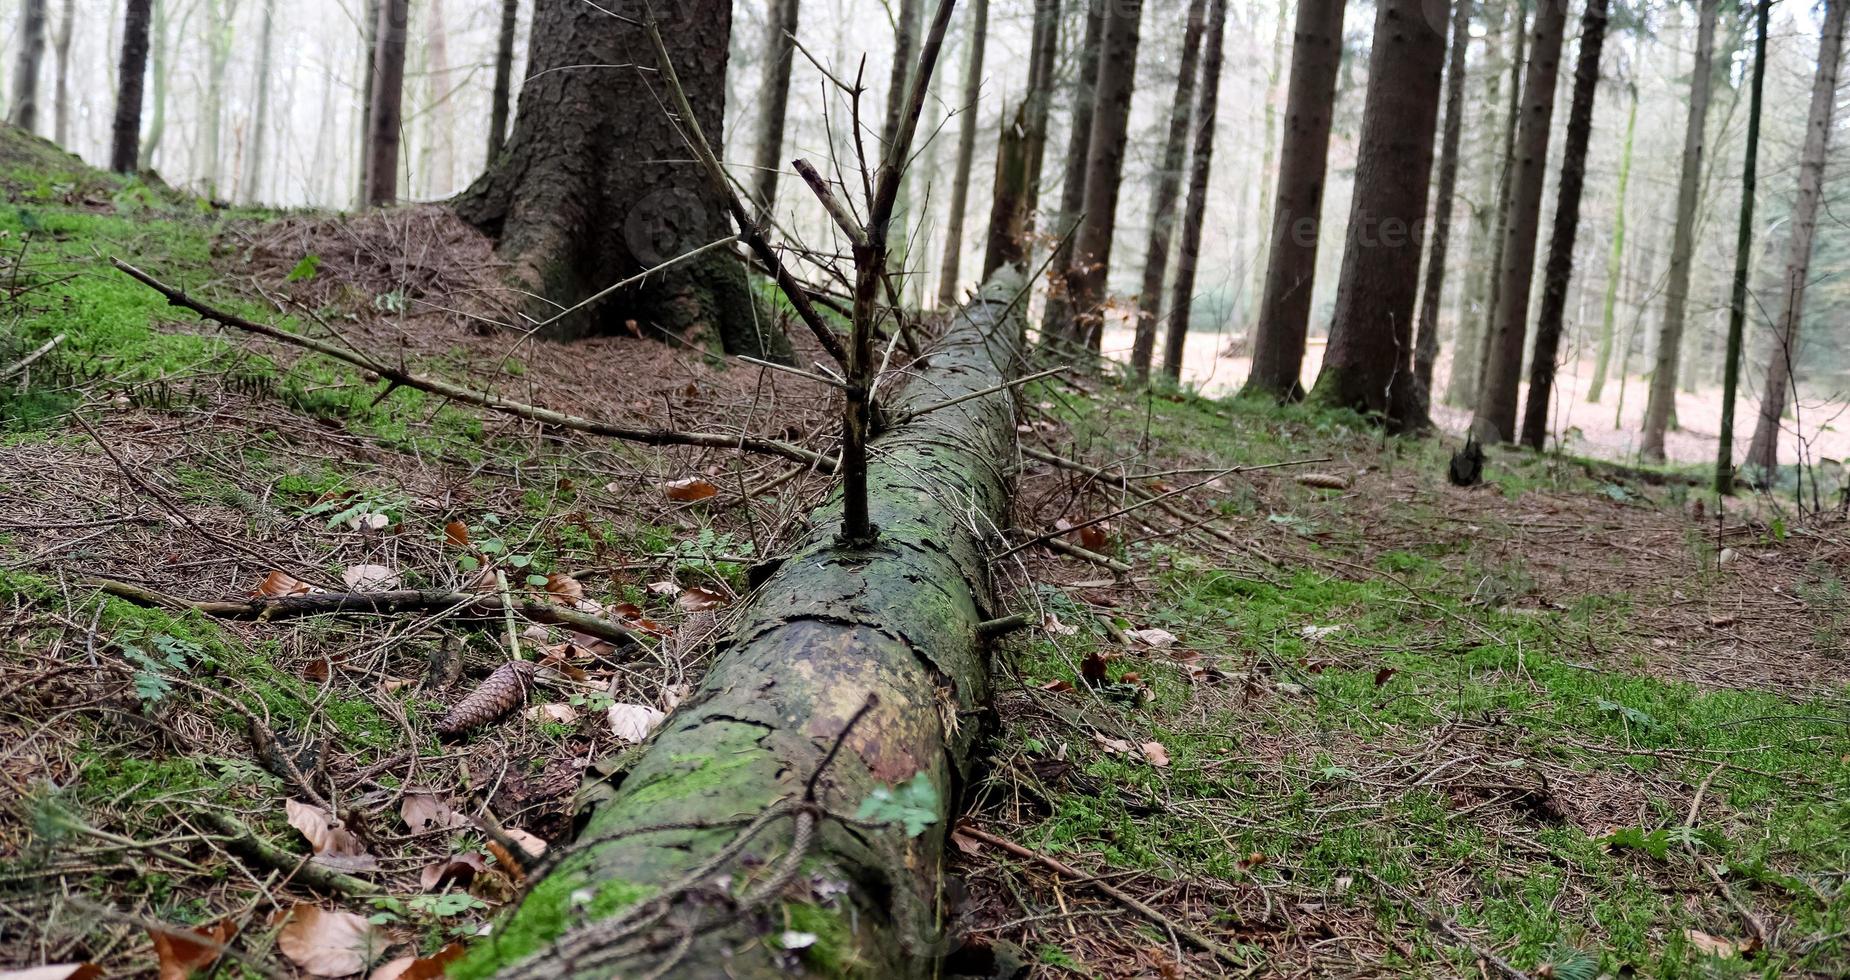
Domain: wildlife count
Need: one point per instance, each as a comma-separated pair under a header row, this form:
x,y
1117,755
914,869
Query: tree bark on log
x,y
850,670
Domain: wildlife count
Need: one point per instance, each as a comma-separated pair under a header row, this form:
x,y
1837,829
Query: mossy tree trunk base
x,y
657,881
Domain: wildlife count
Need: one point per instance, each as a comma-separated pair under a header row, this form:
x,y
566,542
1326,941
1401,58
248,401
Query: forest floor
x,y
1339,717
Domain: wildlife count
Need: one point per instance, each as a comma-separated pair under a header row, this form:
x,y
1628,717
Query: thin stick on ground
x,y
456,392
1194,937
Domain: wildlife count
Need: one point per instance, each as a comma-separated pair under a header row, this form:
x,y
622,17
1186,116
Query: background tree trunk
x,y
1497,407
260,125
220,15
1567,225
1663,393
131,72
157,80
1297,219
61,97
1195,214
504,78
1461,384
1763,452
1369,364
25,111
1056,318
439,161
385,119
950,274
1268,170
1168,187
774,103
1743,258
369,38
1089,271
831,634
575,208
1426,343
1041,61
1615,258
1007,240
1506,182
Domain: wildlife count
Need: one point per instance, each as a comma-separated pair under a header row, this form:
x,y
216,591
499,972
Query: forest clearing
x,y
901,554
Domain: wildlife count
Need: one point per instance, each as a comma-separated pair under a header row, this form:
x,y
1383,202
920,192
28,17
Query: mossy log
x,y
850,670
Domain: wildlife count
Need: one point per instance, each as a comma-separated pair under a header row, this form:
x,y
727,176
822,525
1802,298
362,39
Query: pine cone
x,y
503,691
1323,481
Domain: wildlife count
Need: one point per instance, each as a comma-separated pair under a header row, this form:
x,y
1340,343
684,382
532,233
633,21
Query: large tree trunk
x,y
1045,51
1505,192
950,273
774,103
1615,259
25,110
1461,383
1426,342
1056,317
1743,259
385,117
439,166
1195,214
1764,451
1496,409
1168,187
1088,271
131,72
1663,393
1560,267
61,46
576,207
504,79
1006,242
1369,364
1297,218
260,125
851,670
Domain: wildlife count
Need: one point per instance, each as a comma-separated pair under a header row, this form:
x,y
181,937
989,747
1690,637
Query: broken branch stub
x,y
661,877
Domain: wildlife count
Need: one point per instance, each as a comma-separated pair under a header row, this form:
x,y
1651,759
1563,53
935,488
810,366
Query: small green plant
x,y
305,269
170,654
913,803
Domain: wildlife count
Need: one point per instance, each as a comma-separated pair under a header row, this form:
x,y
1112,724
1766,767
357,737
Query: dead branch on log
x,y
488,607
240,840
400,377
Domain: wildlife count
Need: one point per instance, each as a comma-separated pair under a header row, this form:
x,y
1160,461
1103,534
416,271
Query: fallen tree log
x,y
729,845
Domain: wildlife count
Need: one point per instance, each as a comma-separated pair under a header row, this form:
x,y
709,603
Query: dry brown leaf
x,y
1059,686
179,955
1153,637
691,489
334,845
1718,947
419,967
455,869
700,600
531,843
329,944
278,584
1054,627
632,723
425,812
59,971
1156,753
1095,537
1092,669
665,587
370,578
456,533
1114,746
564,714
566,588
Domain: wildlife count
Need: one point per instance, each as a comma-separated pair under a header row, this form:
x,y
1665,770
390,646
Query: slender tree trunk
x,y
440,118
1567,225
1195,213
369,38
1506,182
575,208
1602,358
219,19
1006,242
843,677
1467,351
388,99
1041,60
1268,157
1089,272
1168,187
774,103
1497,407
1743,259
157,80
25,111
1368,367
1763,452
908,35
1663,393
1056,318
131,72
1297,219
504,78
260,126
1426,344
61,45
950,274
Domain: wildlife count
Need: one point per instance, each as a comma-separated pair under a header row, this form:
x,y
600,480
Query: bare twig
x,y
26,362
